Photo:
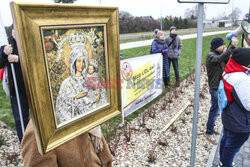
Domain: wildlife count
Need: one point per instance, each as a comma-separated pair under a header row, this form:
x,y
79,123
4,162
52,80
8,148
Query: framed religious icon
x,y
70,60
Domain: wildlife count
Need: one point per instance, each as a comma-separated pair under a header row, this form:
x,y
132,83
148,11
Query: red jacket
x,y
236,117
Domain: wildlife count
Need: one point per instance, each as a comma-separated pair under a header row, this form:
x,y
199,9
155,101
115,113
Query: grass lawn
x,y
186,66
5,109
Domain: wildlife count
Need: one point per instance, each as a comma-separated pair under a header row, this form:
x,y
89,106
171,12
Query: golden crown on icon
x,y
77,39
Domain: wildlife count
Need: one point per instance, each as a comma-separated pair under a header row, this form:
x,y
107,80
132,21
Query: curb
x,y
214,149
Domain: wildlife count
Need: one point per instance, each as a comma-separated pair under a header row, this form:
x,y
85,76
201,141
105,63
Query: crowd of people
x,y
232,65
234,71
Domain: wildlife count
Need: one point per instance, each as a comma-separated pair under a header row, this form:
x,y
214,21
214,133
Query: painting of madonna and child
x,y
74,56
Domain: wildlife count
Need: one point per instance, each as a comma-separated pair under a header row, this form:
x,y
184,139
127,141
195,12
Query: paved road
x,y
149,42
180,32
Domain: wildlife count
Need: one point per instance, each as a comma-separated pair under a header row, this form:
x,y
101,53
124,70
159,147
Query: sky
x,y
154,8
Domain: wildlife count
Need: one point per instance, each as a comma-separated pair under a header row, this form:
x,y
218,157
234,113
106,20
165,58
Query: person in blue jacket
x,y
236,116
159,45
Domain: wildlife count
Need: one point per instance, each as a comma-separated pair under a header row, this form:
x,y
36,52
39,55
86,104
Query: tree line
x,y
131,24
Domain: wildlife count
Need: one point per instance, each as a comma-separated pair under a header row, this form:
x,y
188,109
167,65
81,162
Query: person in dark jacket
x,y
174,45
236,116
215,64
9,54
159,45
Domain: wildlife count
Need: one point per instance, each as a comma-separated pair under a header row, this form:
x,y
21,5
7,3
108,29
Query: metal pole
x,y
123,118
161,23
17,97
232,13
249,14
161,17
197,80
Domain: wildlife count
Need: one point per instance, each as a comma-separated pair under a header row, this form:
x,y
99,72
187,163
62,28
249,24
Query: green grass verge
x,y
5,109
186,66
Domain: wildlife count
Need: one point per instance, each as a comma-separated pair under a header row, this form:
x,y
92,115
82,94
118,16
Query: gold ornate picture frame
x,y
70,59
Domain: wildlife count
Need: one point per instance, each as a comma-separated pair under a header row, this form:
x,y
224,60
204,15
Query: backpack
x,y
222,97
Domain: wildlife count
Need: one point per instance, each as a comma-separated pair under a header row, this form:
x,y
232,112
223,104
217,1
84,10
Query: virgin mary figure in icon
x,y
72,97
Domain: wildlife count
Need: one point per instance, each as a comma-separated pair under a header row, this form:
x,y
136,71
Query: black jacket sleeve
x,y
3,57
223,57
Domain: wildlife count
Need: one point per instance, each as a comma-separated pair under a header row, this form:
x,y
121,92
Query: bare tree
x,y
235,15
222,16
189,13
195,8
193,13
124,14
126,22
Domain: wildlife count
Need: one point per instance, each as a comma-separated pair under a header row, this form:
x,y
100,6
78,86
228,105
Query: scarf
x,y
173,36
96,138
160,41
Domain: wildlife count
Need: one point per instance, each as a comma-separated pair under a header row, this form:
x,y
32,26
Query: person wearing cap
x,y
215,64
174,46
236,116
9,54
159,45
156,31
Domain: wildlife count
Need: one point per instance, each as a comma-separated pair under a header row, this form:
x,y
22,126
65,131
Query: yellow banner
x,y
141,81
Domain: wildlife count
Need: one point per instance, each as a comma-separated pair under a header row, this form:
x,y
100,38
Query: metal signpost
x,y
17,97
198,68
